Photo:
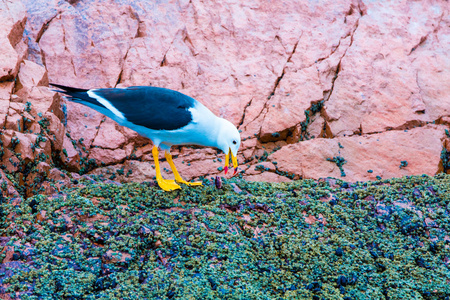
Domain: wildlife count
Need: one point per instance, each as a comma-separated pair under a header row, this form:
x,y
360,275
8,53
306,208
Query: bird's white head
x,y
229,141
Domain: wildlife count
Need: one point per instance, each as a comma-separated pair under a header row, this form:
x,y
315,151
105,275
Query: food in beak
x,y
233,159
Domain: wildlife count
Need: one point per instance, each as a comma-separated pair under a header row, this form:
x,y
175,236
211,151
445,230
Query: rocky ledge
x,y
326,239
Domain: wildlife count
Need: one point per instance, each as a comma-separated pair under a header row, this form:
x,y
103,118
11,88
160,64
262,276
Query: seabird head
x,y
229,141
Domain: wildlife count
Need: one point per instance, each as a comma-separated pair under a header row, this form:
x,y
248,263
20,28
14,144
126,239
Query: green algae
x,y
339,161
330,239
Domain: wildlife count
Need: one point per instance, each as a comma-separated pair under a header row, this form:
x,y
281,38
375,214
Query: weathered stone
x,y
130,170
9,60
7,187
4,108
392,87
35,179
56,131
12,25
10,160
107,156
267,176
31,74
24,146
83,123
144,150
6,137
13,16
115,256
69,155
366,157
14,119
6,89
57,175
108,136
42,99
72,46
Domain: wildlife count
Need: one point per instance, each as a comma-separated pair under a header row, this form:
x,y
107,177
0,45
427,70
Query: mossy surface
x,y
307,239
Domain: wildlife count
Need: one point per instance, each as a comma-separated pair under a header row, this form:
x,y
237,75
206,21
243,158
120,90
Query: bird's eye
x,y
234,142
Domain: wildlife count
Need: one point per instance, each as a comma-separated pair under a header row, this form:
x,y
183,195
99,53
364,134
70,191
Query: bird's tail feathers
x,y
74,94
67,89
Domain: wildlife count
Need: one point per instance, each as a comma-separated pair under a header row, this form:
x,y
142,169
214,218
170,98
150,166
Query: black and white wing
x,y
152,107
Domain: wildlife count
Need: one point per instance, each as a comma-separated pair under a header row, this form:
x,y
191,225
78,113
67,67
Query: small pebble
x,y
218,182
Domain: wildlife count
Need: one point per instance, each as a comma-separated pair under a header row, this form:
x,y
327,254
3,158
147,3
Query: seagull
x,y
166,117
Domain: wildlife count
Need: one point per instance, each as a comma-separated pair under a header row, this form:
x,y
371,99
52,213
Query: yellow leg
x,y
176,174
167,185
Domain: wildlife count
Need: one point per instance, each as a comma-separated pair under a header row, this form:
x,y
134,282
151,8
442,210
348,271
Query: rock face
x,y
322,89
388,154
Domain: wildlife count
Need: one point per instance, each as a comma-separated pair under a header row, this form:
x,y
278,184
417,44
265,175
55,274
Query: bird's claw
x,y
168,185
194,183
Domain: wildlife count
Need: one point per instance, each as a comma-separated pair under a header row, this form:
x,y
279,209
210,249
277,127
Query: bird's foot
x,y
167,184
193,183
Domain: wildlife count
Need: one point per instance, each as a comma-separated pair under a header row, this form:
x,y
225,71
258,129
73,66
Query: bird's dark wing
x,y
153,107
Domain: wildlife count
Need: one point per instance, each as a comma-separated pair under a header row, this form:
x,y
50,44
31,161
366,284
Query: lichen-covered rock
x,y
129,171
55,132
6,186
41,100
69,155
368,157
304,239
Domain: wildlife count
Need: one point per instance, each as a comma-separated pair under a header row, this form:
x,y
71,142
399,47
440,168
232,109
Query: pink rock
x,y
107,156
83,123
40,14
14,119
267,177
4,108
42,100
6,89
382,153
56,131
10,160
6,137
57,175
31,74
115,256
36,177
108,136
9,60
144,150
78,41
140,171
13,18
384,79
259,168
129,149
24,146
69,155
22,50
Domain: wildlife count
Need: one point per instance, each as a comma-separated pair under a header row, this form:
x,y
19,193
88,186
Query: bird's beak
x,y
233,159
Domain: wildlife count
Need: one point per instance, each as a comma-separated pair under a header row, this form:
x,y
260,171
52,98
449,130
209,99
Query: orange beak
x,y
227,161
